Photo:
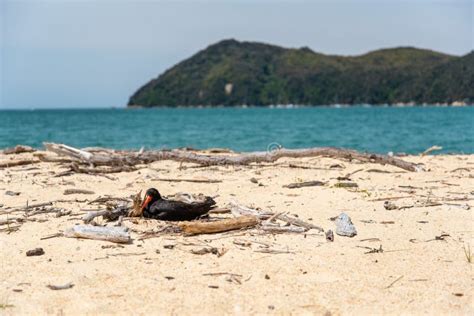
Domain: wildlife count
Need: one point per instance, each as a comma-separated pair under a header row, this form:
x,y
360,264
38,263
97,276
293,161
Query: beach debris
x,y
12,193
187,180
112,234
8,164
132,158
77,191
193,228
344,226
377,171
9,221
220,210
439,237
283,229
293,224
304,184
121,209
60,287
395,281
18,149
348,176
431,149
370,239
274,251
126,254
389,206
52,236
329,235
299,222
442,236
44,210
372,250
241,210
204,250
35,252
207,250
346,185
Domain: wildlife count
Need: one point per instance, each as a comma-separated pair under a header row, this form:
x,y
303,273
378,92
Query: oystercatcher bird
x,y
154,206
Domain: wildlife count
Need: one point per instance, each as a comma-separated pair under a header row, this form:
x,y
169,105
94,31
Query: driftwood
x,y
304,184
76,168
133,158
429,150
113,234
296,225
193,228
18,149
8,164
299,222
187,180
240,210
283,229
110,215
77,191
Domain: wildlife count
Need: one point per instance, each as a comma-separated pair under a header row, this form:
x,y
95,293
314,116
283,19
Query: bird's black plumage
x,y
171,210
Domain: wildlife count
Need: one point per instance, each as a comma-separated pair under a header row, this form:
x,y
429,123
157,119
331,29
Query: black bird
x,y
154,206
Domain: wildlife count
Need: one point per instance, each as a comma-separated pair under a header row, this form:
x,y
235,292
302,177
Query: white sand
x,y
412,275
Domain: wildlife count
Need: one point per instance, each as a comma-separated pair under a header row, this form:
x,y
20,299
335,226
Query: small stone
x,y
329,235
253,180
35,252
344,226
11,193
389,206
267,277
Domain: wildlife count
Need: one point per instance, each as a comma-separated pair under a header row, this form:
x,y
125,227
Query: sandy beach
x,y
422,269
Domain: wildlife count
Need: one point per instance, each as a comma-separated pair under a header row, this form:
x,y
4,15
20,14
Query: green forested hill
x,y
246,73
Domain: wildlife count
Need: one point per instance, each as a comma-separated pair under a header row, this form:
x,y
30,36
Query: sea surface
x,y
375,129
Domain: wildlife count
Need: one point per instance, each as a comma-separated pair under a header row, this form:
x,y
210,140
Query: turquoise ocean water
x,y
376,129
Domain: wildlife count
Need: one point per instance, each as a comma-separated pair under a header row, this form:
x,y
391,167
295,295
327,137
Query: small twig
x,y
391,284
60,287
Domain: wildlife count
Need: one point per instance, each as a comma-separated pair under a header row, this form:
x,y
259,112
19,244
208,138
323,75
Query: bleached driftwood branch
x,y
240,210
133,157
296,225
113,234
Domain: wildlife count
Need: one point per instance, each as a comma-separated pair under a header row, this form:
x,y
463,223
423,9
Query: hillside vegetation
x,y
245,73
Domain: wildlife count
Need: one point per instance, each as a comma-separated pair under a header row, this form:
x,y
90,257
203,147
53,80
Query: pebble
x,y
344,226
35,252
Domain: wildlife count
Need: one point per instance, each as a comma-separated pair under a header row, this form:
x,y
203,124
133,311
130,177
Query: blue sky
x,y
64,54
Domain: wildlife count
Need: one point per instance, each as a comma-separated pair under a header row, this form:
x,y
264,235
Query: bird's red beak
x,y
145,203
